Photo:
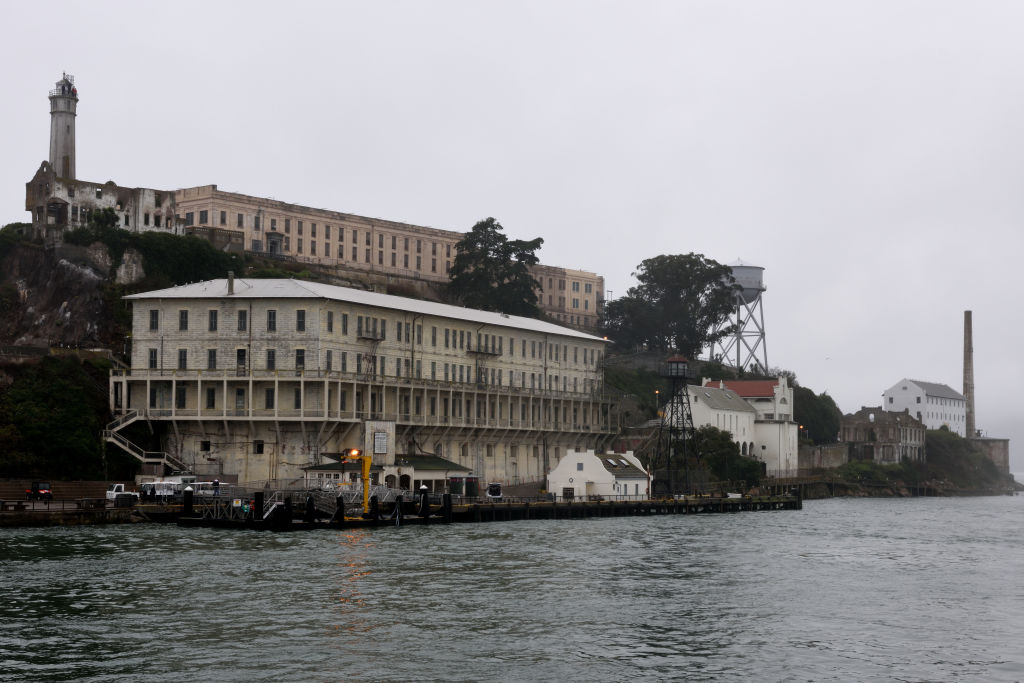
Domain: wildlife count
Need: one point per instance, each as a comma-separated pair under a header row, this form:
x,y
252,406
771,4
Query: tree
x,y
818,414
492,273
679,301
720,454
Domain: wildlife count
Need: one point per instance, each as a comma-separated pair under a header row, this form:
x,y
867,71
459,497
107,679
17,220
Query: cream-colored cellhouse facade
x,y
379,251
257,379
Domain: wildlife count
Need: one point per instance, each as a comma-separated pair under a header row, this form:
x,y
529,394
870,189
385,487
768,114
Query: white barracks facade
x,y
258,379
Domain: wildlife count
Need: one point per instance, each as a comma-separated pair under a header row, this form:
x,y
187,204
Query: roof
x,y
748,388
300,289
621,471
720,399
429,462
938,390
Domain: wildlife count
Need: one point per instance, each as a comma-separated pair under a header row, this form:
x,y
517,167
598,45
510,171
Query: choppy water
x,y
927,589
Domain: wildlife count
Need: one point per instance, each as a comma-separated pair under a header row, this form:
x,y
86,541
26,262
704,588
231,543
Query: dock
x,y
288,514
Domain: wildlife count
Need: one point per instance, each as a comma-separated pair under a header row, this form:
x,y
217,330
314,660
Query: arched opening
x,y
405,482
743,450
390,481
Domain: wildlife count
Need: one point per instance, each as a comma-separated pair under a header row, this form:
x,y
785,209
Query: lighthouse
x,y
63,110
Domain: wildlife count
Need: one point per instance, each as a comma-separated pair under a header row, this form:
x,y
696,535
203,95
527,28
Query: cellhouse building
x,y
254,380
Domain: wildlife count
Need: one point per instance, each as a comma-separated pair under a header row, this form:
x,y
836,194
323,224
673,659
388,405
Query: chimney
x,y
231,282
969,374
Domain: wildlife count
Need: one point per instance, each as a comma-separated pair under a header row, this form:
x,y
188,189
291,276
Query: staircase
x,y
146,457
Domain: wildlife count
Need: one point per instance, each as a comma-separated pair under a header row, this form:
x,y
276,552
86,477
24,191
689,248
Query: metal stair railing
x,y
147,457
125,419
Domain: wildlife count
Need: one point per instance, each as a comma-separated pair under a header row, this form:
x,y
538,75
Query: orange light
x,y
354,452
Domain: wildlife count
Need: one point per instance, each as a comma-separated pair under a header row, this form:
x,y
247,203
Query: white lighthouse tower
x,y
63,110
745,348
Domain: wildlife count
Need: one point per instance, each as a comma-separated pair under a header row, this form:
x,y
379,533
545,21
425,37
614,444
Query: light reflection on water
x,y
846,589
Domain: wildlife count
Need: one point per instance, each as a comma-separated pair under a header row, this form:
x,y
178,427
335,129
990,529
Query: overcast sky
x,y
869,155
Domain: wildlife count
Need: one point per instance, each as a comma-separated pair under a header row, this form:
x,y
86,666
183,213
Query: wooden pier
x,y
293,518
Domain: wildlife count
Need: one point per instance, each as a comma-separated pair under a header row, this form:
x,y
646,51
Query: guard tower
x,y
746,346
63,110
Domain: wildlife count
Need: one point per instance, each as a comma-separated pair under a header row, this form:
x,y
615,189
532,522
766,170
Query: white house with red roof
x,y
775,430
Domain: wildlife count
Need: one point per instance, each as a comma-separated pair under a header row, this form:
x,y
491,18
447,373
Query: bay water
x,y
846,589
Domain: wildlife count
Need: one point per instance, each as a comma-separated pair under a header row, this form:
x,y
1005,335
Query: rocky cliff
x,y
62,296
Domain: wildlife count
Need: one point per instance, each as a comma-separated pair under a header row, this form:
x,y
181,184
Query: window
x,y
433,336
257,447
243,320
288,225
179,397
190,218
204,217
300,359
152,359
579,467
213,321
300,320
299,245
327,361
368,242
268,398
145,216
211,400
330,321
271,359
182,320
182,359
298,227
271,321
298,398
211,359
344,323
223,217
154,320
240,358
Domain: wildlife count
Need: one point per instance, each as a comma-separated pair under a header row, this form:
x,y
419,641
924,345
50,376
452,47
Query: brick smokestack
x,y
969,432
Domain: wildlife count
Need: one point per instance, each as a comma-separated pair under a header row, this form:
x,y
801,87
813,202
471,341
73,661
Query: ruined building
x,y
378,253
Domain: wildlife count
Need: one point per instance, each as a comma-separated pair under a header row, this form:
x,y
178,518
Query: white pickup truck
x,y
114,490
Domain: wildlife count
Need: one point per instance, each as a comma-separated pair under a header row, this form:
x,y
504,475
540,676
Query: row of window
x,y
409,405
374,365
376,328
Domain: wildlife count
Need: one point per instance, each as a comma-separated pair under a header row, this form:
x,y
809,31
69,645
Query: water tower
x,y
745,347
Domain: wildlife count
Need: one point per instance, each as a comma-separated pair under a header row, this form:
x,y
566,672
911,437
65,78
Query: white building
x,y
611,476
936,405
258,379
726,410
775,431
